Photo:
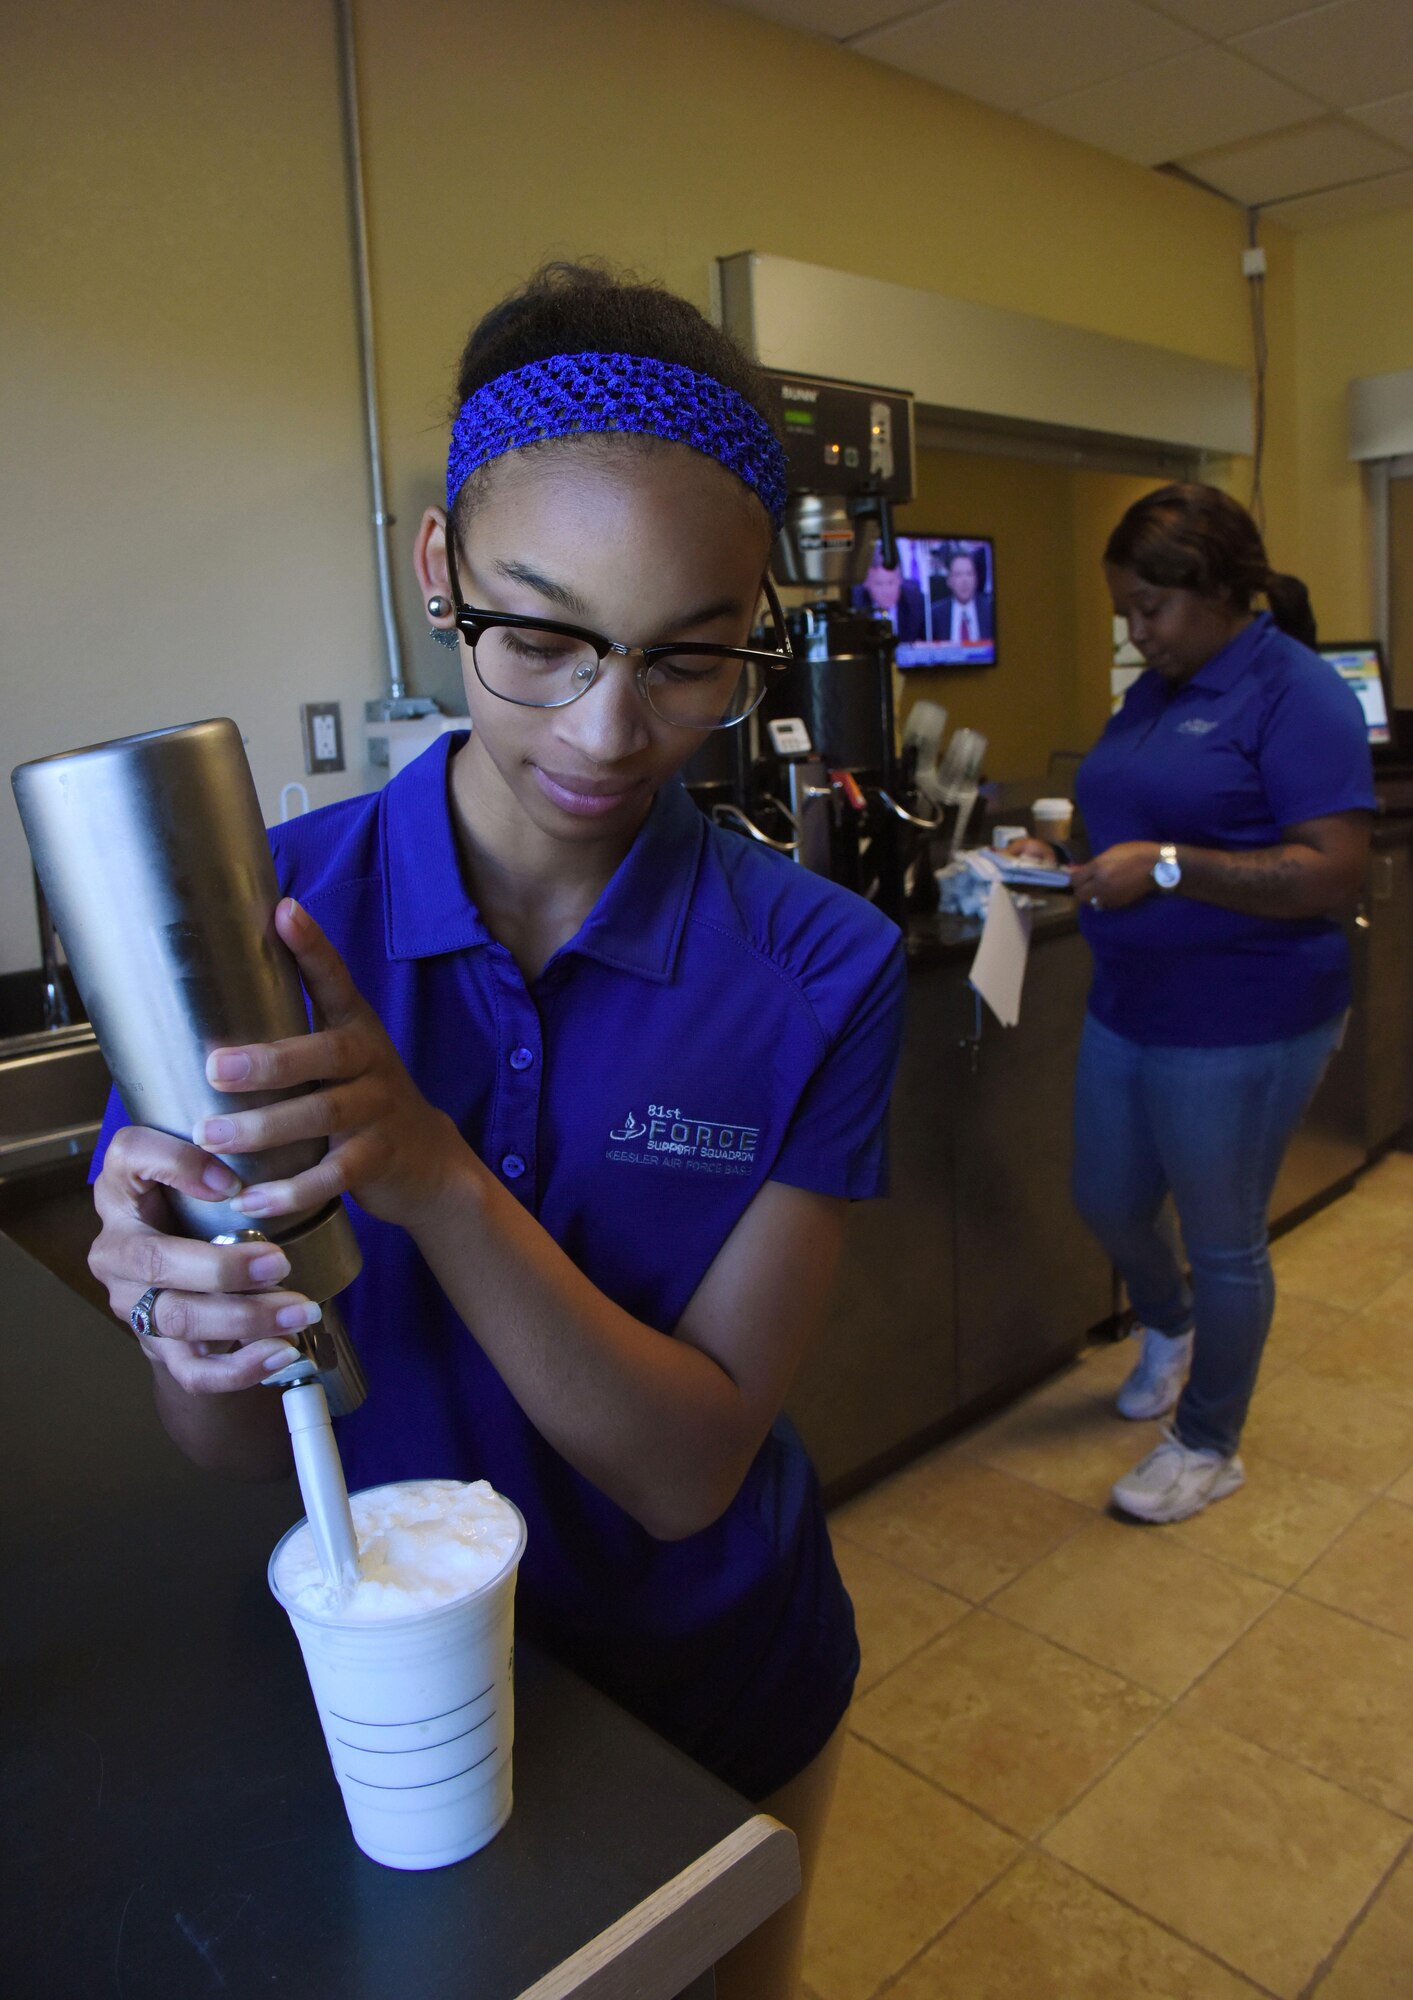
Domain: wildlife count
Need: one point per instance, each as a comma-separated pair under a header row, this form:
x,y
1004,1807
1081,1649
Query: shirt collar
x,y
426,909
636,924
1222,672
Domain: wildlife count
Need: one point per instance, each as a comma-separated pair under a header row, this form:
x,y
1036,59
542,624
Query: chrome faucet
x,y
56,994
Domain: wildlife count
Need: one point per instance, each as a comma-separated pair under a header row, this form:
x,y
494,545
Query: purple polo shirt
x,y
1263,737
722,1018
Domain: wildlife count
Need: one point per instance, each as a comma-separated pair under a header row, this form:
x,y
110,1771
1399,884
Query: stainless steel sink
x,y
53,1087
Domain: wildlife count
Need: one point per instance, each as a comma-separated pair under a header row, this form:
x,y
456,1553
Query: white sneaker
x,y
1175,1481
1155,1383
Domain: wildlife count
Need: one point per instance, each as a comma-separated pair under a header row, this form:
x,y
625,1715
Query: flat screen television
x,y
1360,665
941,601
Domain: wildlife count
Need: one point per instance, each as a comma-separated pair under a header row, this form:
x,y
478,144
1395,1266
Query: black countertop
x,y
936,937
1393,829
169,1823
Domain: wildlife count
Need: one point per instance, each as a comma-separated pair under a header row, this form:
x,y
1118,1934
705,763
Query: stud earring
x,y
438,607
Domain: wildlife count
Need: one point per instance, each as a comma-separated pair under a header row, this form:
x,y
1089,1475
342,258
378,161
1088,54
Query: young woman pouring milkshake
x,y
600,1078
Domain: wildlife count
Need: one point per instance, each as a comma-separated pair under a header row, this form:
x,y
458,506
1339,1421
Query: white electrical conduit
x,y
358,230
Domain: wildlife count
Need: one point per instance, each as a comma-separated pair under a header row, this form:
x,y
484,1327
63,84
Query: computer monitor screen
x,y
941,600
1360,666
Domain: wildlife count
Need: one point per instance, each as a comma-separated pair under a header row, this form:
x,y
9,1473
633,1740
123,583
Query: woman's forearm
x,y
1291,880
240,1436
654,1422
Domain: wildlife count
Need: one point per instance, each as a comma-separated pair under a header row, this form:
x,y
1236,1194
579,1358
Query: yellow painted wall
x,y
1097,501
666,135
185,524
1024,705
1353,301
1050,687
183,513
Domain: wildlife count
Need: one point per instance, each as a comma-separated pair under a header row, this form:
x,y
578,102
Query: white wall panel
x,y
958,355
1381,415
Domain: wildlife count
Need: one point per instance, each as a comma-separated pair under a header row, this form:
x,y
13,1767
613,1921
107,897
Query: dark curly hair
x,y
593,307
1194,537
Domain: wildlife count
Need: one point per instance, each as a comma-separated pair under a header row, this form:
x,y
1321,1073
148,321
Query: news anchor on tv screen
x,y
954,577
887,593
961,612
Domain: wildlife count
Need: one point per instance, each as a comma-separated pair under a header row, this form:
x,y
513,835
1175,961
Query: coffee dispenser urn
x,y
155,864
825,737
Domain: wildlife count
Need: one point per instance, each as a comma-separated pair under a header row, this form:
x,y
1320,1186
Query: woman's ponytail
x,y
1290,606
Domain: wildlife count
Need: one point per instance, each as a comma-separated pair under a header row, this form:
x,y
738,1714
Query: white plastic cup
x,y
1002,836
419,1716
1053,818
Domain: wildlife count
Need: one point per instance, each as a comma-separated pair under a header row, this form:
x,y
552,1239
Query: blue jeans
x,y
1209,1128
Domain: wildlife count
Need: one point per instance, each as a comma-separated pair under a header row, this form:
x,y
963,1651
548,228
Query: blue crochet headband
x,y
577,393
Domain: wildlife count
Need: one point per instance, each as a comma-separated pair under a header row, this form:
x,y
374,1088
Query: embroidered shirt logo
x,y
667,1137
1197,725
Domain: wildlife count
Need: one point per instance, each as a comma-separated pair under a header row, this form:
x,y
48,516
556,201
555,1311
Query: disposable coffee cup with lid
x,y
1053,818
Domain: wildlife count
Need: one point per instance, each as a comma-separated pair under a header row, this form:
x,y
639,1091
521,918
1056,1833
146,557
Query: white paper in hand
x,y
998,970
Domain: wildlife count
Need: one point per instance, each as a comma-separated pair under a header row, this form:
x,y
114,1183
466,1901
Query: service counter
x,y
975,1277
172,1827
1366,1098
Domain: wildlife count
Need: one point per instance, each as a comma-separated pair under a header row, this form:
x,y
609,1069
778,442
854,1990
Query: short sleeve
x,y
1314,754
114,1119
837,1140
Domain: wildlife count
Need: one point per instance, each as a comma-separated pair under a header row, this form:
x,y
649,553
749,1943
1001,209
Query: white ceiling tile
x,y
1312,211
1392,119
1173,109
1014,53
1220,18
834,18
1297,160
1349,52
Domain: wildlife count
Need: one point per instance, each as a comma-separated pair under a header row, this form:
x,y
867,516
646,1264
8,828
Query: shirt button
x,y
521,1058
512,1166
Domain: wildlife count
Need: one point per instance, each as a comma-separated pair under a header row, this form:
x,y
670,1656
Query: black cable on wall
x,y
1254,266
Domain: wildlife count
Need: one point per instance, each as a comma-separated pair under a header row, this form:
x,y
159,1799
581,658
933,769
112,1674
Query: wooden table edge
x,y
665,1942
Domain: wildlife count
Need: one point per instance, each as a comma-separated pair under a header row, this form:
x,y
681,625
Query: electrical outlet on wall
x,y
322,726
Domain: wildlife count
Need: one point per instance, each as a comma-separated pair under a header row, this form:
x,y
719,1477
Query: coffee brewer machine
x,y
814,772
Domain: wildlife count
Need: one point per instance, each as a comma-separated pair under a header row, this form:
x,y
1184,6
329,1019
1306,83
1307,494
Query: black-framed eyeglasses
x,y
544,663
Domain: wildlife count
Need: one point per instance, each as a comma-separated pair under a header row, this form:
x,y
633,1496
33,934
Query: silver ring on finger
x,y
141,1317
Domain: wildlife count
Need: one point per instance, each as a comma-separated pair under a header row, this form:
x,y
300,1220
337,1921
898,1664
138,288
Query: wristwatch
x,y
1166,872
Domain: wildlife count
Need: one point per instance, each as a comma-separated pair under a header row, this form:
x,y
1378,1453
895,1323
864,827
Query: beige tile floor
x,y
1095,1761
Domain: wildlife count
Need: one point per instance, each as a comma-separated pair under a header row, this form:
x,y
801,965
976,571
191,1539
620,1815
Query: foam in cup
x,y
1053,817
423,1543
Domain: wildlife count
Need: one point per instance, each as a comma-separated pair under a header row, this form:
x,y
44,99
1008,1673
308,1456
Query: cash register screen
x,y
942,604
1361,667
